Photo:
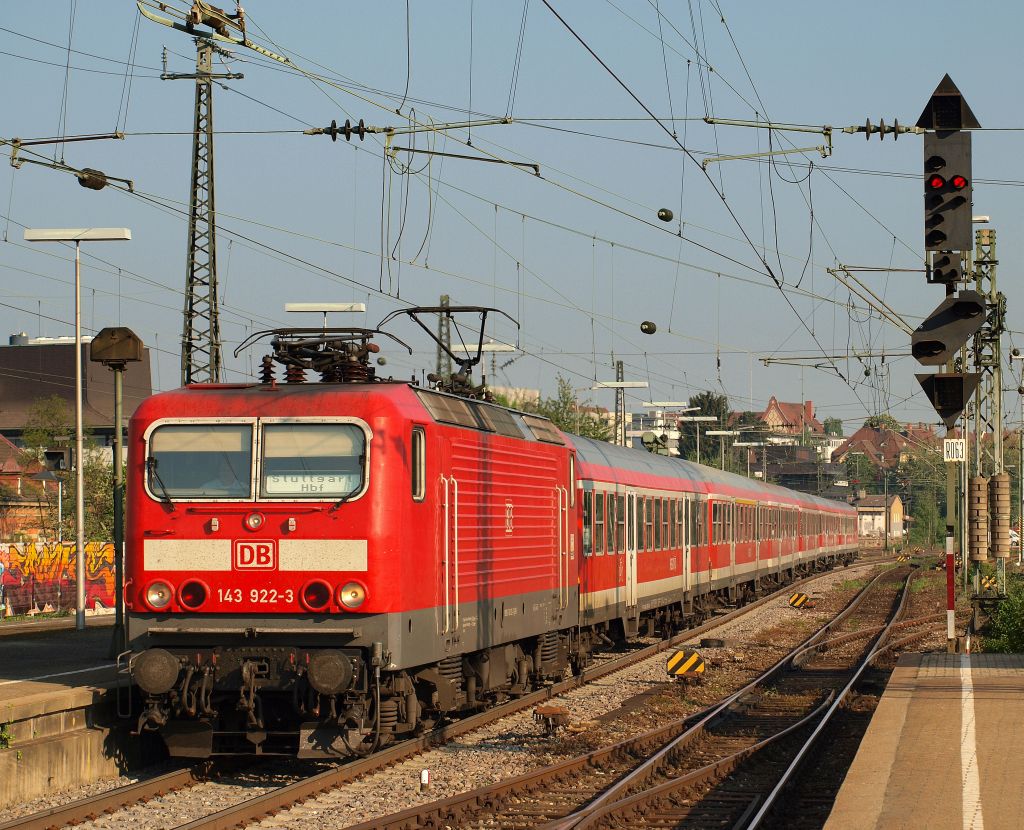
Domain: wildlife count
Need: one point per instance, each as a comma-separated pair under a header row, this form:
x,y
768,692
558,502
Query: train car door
x,y
684,539
631,523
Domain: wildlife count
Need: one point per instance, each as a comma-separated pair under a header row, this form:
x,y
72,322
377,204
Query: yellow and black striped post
x,y
799,600
685,663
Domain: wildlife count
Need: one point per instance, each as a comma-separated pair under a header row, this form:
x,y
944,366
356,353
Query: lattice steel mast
x,y
201,358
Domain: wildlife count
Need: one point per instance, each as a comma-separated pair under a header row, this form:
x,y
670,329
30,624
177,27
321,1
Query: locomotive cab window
x,y
200,461
326,461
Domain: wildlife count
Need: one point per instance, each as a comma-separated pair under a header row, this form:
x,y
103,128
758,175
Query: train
x,y
320,567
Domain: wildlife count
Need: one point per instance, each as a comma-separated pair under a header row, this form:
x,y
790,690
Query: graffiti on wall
x,y
42,576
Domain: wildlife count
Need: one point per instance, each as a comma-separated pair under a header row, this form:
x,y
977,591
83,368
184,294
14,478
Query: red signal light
x,y
192,594
958,182
936,182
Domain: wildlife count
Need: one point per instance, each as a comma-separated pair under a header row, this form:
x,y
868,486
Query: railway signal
x,y
947,267
943,332
947,191
949,392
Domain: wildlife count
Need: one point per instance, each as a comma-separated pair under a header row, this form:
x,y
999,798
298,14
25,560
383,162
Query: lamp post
x,y
45,476
78,236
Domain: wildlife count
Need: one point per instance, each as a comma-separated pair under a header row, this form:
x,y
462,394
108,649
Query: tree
x,y
49,425
922,479
834,427
707,403
883,421
567,412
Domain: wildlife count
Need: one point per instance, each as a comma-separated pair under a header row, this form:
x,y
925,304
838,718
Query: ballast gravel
x,y
512,746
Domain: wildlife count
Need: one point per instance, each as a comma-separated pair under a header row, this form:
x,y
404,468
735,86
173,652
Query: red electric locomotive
x,y
317,568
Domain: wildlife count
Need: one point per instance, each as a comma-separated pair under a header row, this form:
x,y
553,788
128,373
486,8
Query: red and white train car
x,y
669,540
317,568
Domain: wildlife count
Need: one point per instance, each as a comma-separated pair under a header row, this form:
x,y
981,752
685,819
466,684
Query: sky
x,y
608,98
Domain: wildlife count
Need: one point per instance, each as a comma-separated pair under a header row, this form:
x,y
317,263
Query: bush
x,y
1006,629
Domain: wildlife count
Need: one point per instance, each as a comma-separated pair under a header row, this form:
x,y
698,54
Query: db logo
x,y
254,555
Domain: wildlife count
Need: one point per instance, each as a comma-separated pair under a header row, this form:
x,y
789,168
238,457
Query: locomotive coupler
x,y
248,701
153,717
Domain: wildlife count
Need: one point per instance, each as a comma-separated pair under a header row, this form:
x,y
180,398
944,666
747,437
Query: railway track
x,y
600,788
282,797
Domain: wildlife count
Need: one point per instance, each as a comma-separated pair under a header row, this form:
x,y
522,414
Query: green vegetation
x,y
50,425
851,585
833,426
566,412
1005,632
6,736
44,615
919,585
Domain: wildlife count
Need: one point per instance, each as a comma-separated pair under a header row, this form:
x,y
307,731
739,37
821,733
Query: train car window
x,y
321,461
620,523
666,504
543,429
631,522
647,524
496,419
674,525
609,525
599,523
201,461
588,509
419,464
657,524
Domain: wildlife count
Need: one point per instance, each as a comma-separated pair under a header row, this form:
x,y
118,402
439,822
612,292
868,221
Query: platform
x,y
56,711
942,749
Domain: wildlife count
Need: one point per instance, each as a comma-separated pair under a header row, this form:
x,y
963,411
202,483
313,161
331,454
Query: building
x,y
872,513
35,368
886,448
22,498
791,418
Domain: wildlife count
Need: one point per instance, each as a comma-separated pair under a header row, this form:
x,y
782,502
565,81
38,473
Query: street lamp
x,y
45,476
78,236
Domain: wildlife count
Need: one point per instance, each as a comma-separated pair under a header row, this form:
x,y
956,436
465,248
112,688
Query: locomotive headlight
x,y
158,595
351,595
254,521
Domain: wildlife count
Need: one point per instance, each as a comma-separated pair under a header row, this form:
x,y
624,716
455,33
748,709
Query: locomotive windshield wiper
x,y
351,494
151,469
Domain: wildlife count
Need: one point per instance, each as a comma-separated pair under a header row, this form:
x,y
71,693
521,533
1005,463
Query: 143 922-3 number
x,y
262,596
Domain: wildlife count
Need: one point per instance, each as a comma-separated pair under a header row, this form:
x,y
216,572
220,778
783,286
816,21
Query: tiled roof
x,y
794,416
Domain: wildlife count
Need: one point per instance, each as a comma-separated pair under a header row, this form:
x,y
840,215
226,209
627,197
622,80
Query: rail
x,y
239,814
